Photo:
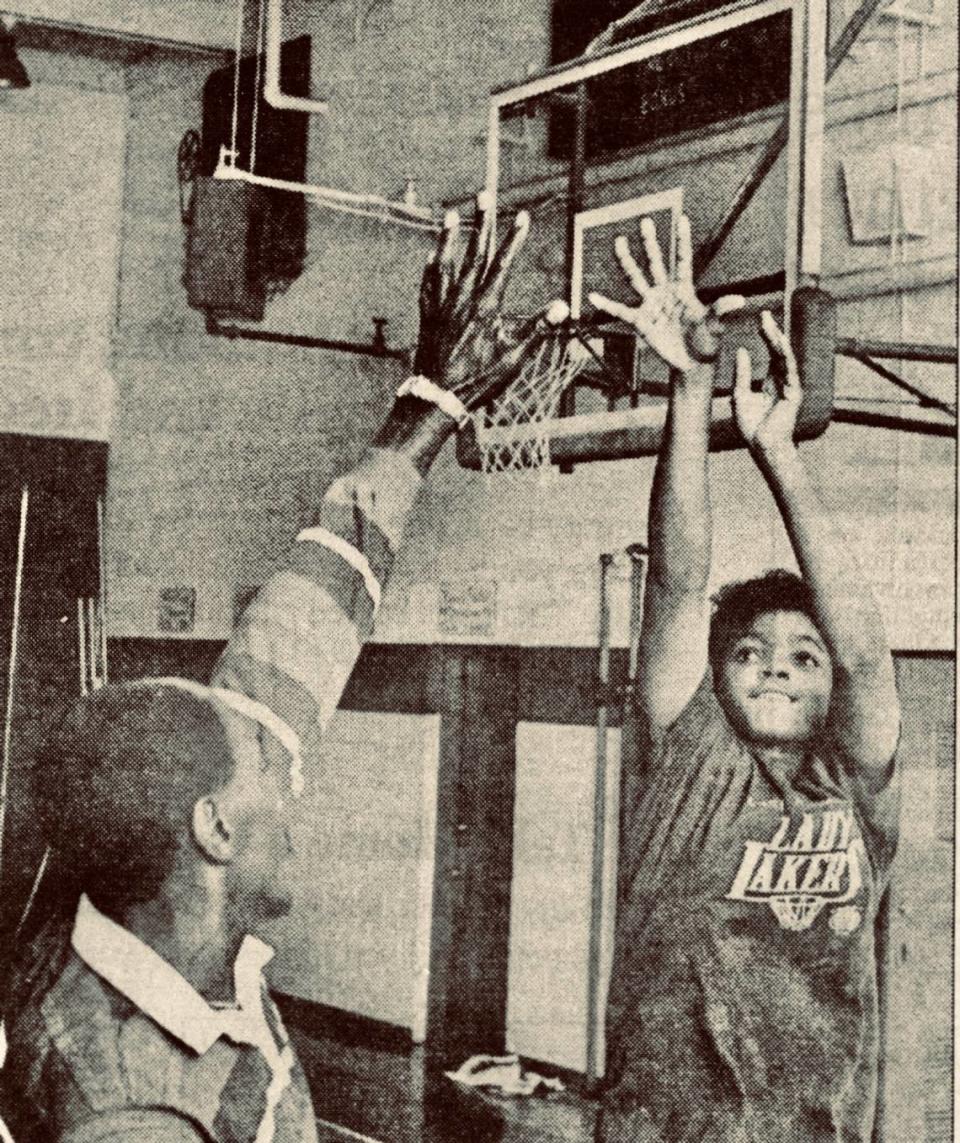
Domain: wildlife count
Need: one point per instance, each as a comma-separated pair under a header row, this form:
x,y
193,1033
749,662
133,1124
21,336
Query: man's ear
x,y
211,831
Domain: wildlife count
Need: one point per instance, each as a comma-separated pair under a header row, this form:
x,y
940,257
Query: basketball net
x,y
513,434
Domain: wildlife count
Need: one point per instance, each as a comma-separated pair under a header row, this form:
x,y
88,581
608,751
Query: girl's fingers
x,y
782,362
614,309
634,274
648,232
743,374
728,304
684,251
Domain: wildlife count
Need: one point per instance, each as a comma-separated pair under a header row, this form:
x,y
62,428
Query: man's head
x,y
144,779
772,669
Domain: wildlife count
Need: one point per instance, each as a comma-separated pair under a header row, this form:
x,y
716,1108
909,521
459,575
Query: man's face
x,y
258,797
775,680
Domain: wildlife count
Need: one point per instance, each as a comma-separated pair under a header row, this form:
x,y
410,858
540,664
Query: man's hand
x,y
767,419
465,355
671,318
464,346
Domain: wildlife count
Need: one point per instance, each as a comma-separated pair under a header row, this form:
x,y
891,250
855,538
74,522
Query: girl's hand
x,y
671,318
767,418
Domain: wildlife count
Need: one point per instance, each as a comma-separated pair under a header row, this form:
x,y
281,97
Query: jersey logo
x,y
799,871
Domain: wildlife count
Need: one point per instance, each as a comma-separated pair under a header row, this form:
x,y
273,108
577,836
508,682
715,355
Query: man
x,y
761,802
166,801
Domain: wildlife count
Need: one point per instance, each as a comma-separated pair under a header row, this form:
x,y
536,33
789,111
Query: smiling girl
x,y
760,796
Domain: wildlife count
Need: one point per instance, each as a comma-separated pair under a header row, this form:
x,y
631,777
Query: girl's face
x,y
775,680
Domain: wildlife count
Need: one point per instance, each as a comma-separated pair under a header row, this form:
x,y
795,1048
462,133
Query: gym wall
x,y
60,208
210,477
220,450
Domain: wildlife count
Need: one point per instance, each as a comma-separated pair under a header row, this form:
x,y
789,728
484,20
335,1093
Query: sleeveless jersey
x,y
743,1001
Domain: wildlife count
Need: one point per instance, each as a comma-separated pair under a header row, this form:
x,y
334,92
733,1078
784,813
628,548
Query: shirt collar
x,y
133,968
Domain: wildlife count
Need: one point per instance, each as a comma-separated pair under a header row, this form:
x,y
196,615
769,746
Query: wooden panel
x,y
358,936
916,1097
60,564
474,854
550,914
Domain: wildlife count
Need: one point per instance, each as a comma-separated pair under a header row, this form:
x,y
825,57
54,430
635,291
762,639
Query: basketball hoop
x,y
512,434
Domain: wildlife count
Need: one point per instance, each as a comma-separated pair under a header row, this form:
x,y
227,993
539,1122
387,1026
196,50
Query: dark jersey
x,y
743,1001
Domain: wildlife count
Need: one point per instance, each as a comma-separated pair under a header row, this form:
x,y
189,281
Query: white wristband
x,y
349,554
446,402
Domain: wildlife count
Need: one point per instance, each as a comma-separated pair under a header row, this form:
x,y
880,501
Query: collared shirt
x,y
134,969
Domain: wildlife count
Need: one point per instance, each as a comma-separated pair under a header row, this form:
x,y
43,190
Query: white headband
x,y
256,711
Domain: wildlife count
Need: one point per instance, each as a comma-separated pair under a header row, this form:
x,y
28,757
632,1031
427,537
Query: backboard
x,y
673,119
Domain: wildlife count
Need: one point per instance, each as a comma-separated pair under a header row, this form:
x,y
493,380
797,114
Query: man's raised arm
x,y
296,644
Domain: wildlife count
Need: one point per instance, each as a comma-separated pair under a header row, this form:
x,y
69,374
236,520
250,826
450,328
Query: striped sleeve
x,y
296,644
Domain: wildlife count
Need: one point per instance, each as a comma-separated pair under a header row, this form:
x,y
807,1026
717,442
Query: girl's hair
x,y
737,605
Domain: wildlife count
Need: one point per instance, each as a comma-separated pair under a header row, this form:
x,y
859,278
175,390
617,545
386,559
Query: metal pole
x,y
902,422
82,643
102,594
34,889
371,349
599,828
575,199
12,664
926,400
638,567
902,350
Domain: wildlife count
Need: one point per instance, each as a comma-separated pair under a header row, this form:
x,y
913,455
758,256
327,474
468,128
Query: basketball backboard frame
x,y
584,220
804,125
809,27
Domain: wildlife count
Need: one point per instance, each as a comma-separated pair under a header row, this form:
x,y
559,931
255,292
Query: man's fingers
x,y
627,261
485,237
429,288
495,283
648,232
684,251
447,255
556,312
728,304
489,374
531,330
526,337
614,309
477,255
